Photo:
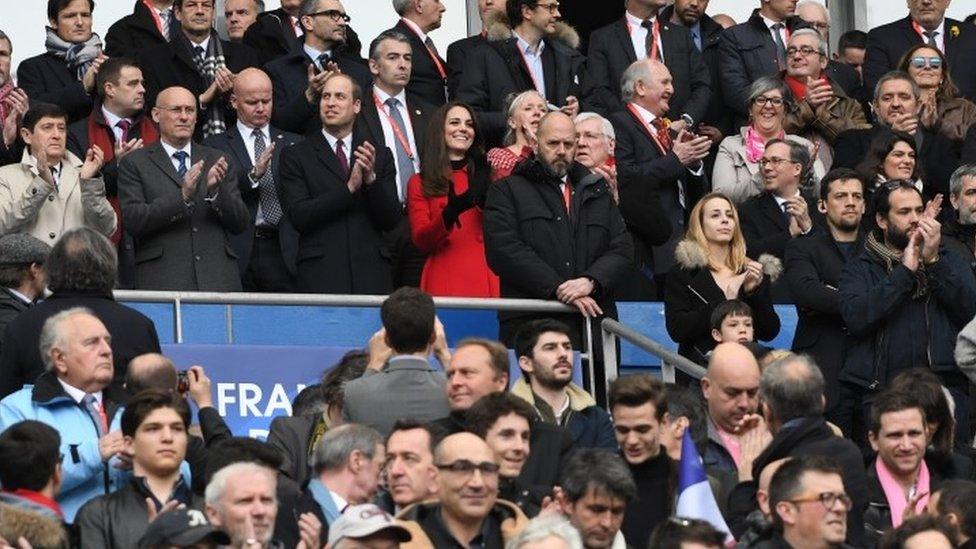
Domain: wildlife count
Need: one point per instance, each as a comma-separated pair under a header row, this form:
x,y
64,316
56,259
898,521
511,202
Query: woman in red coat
x,y
444,204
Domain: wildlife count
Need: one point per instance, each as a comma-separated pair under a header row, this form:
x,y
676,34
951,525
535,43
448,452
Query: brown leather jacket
x,y
954,118
839,114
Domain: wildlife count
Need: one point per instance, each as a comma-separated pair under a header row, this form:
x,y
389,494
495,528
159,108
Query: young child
x,y
732,321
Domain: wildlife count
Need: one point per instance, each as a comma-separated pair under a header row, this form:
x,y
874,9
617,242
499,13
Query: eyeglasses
x,y
177,109
828,499
762,100
933,62
334,15
805,50
775,161
467,468
552,7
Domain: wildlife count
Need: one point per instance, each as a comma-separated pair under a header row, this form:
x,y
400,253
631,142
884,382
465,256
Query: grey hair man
x,y
81,271
958,233
548,532
74,395
791,391
240,500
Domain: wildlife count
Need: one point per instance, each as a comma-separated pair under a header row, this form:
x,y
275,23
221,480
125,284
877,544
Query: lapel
x,y
287,36
645,131
623,36
371,117
70,176
908,32
280,142
236,142
551,71
158,155
509,51
326,156
183,54
418,119
671,40
144,20
772,210
951,42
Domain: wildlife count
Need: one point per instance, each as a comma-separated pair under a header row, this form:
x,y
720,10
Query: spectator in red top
x,y
444,204
524,113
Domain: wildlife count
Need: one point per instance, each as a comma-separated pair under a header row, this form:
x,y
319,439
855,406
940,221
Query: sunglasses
x,y
920,62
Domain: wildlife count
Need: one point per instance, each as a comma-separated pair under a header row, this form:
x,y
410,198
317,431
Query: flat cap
x,y
22,249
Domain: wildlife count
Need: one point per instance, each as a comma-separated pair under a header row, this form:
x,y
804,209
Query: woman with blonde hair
x,y
525,110
711,266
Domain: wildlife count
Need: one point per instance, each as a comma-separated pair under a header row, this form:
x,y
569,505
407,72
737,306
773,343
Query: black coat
x,y
132,334
643,171
291,436
340,233
46,78
458,54
289,76
961,240
172,64
551,447
939,157
136,32
611,52
287,531
496,70
968,155
425,77
656,480
812,269
746,53
10,307
272,35
533,246
877,517
232,143
691,296
888,43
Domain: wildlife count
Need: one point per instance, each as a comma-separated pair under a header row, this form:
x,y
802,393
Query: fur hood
x,y
690,255
42,532
497,29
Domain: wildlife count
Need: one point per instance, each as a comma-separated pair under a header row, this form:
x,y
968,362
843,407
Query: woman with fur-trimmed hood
x,y
711,267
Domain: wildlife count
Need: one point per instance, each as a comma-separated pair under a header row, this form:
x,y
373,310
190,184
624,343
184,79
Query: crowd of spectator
x,y
720,168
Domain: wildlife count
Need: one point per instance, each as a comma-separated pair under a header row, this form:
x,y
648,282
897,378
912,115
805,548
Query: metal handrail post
x,y
669,359
667,371
588,346
178,319
610,370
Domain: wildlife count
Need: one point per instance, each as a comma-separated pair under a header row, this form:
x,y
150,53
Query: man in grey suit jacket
x,y
180,202
407,387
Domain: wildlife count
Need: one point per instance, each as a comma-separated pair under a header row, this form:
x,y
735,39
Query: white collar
x,y
781,201
20,296
111,119
77,394
645,114
527,48
247,131
314,53
171,149
204,44
940,30
636,21
332,140
769,22
383,96
415,28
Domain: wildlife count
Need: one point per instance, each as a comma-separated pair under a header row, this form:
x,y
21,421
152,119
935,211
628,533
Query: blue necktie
x,y
404,163
181,157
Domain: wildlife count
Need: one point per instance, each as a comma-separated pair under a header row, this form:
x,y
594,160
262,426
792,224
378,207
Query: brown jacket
x,y
829,119
510,517
953,119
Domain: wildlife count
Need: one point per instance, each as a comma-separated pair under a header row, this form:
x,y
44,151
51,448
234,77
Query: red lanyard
x,y
655,31
921,34
640,119
433,56
525,61
397,130
155,15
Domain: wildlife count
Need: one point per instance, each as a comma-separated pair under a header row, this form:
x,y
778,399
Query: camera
x,y
183,381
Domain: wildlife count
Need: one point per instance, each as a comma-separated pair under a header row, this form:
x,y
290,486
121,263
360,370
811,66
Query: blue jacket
x,y
83,473
588,424
889,331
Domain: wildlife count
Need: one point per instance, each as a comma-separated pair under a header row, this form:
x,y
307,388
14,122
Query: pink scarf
x,y
756,145
897,502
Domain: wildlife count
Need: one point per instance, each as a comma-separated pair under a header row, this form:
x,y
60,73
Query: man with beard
x,y
552,230
960,233
904,300
545,355
812,267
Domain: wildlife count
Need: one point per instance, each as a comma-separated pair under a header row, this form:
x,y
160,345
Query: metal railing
x,y
611,330
229,299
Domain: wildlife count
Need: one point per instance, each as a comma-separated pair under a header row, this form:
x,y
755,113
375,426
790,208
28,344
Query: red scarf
x,y
38,498
100,134
799,88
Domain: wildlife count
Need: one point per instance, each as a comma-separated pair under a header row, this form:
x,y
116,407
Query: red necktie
x,y
663,136
341,156
567,196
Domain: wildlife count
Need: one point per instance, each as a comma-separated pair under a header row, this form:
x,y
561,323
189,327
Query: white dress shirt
x,y
77,394
390,136
939,35
247,134
171,150
314,54
346,145
782,31
638,36
533,59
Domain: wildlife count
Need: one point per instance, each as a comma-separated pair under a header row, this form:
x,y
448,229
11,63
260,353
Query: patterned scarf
x,y
78,57
756,144
891,259
207,65
4,92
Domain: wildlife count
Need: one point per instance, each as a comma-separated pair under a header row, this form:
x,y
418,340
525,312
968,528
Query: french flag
x,y
695,497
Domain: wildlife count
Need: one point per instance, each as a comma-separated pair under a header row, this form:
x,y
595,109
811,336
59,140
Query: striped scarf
x,y
892,259
207,65
79,56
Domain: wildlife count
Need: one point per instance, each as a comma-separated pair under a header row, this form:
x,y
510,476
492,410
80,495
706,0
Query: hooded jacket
x,y
587,423
40,529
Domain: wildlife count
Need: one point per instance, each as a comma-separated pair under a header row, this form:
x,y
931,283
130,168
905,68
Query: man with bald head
x,y
731,391
267,249
469,512
180,203
577,252
656,163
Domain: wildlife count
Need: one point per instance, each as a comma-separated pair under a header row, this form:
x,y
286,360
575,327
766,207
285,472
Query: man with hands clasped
x,y
904,300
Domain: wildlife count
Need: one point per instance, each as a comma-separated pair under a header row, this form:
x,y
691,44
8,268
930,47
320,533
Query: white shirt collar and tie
x,y
938,35
533,59
390,136
77,394
171,150
315,55
417,30
638,35
247,135
780,201
112,121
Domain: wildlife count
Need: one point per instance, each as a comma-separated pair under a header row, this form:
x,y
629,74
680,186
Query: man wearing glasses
x,y
299,76
469,513
809,504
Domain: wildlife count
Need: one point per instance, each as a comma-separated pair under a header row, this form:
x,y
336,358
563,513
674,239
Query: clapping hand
x,y
94,160
18,104
216,174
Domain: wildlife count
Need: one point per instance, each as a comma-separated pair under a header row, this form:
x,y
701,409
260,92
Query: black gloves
x,y
456,205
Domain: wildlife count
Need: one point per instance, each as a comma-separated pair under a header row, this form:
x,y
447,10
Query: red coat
x,y
456,264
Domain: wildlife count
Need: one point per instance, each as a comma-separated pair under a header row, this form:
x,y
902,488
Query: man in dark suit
x,y
266,250
896,106
651,159
926,23
492,14
812,269
198,60
397,120
57,77
150,24
81,270
276,32
339,190
639,35
418,18
530,57
297,77
753,49
180,201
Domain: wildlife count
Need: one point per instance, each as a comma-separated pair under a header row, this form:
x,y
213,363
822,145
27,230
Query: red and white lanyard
x,y
401,136
640,119
433,57
921,33
655,31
